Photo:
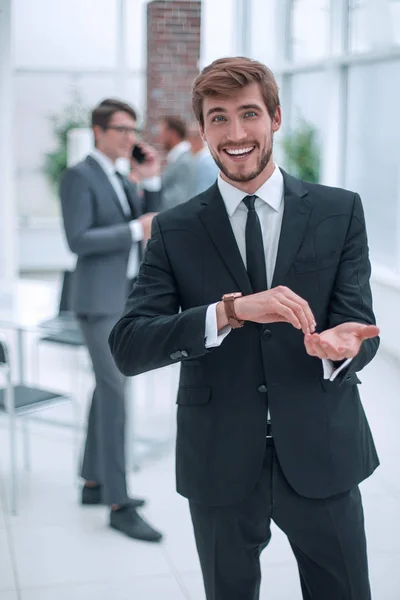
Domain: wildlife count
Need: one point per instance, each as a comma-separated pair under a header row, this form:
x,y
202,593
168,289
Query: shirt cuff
x,y
151,184
136,230
329,369
213,339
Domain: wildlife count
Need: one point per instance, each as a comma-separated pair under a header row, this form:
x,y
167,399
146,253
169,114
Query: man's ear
x,y
96,131
277,120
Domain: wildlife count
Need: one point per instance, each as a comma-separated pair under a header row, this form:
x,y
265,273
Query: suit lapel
x,y
297,209
101,175
216,221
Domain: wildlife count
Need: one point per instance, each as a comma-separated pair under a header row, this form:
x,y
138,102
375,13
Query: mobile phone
x,y
138,154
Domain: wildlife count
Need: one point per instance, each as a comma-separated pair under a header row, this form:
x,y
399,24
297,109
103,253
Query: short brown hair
x,y
225,76
102,114
176,124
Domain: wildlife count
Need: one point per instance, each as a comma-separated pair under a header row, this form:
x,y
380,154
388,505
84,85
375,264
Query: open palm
x,y
340,342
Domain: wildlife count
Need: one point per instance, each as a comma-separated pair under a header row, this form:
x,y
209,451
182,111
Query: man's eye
x,y
218,119
251,113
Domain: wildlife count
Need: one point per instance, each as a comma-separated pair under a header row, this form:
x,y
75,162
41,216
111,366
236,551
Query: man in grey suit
x,y
105,223
178,178
206,171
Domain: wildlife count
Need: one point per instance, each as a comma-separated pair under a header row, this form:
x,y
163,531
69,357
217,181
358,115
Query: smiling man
x,y
260,288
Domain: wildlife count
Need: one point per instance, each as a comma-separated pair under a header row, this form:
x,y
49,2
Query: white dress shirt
x,y
269,206
135,226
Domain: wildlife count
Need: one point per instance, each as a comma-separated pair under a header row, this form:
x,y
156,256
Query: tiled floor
x,y
56,550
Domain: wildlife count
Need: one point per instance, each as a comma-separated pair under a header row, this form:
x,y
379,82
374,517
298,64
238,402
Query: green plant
x,y
74,115
302,151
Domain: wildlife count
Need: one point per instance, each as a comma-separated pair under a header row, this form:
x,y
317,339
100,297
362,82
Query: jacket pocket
x,y
315,264
351,379
340,382
193,395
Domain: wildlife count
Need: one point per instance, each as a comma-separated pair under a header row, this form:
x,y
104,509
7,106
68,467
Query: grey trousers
x,y
104,455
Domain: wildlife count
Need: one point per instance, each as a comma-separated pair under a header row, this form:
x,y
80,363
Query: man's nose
x,y
237,131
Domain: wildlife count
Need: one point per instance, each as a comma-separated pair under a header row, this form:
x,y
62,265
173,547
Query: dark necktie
x,y
255,256
128,195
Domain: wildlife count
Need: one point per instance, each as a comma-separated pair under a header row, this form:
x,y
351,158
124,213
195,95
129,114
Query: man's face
x,y
239,133
118,139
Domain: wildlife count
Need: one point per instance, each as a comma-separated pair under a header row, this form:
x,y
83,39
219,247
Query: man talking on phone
x,y
106,222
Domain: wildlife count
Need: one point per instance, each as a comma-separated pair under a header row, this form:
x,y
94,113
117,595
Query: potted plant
x,y
74,115
302,151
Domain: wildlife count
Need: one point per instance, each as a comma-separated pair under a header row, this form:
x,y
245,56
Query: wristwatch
x,y
229,305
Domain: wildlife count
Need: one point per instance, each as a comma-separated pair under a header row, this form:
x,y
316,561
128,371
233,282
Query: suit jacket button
x,y
262,389
266,334
173,356
184,354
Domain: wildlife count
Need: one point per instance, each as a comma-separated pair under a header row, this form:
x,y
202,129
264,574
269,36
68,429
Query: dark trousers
x,y
327,537
104,455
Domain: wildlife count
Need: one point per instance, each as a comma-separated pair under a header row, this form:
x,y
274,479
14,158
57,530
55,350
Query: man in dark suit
x,y
105,223
270,423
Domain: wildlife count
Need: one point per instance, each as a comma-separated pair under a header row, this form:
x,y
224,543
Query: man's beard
x,y
242,178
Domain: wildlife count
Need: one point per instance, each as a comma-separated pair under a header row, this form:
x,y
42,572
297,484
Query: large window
x,y
308,43
373,25
342,77
373,152
308,99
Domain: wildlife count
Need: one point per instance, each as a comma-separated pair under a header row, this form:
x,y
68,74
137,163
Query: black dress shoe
x,y
93,495
127,520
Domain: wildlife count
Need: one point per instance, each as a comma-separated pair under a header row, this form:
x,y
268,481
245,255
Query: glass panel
x,y
309,29
374,24
263,32
305,115
373,152
65,33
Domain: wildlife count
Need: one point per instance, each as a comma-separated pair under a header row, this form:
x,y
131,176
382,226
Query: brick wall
x,y
173,51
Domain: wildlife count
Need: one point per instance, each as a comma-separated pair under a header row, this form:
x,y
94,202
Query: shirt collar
x,y
271,192
106,163
177,151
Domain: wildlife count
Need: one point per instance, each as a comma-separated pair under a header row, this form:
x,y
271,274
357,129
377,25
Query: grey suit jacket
x,y
98,232
179,181
206,171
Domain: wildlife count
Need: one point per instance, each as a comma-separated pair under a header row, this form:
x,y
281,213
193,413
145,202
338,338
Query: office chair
x,y
22,401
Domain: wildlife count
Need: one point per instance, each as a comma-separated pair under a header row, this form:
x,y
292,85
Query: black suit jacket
x,y
321,434
97,231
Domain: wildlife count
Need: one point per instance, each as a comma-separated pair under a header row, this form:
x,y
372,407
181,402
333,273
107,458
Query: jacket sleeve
x,y
351,299
78,214
153,332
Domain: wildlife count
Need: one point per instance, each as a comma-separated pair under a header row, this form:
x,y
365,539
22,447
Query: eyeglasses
x,y
122,130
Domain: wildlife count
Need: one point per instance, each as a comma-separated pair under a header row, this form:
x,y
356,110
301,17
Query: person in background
x,y
106,223
178,177
260,289
206,171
